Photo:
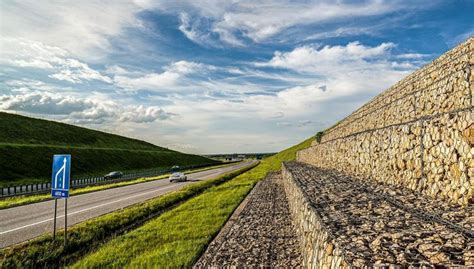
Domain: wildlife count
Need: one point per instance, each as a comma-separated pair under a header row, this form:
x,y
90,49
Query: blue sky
x,y
215,76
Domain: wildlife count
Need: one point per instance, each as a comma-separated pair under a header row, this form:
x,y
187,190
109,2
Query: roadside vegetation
x,y
27,146
34,198
178,237
319,136
87,236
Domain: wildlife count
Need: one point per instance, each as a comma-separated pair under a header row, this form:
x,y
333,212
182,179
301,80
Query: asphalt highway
x,y
22,223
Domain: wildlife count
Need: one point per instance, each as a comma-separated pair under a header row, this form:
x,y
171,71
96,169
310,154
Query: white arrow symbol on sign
x,y
63,170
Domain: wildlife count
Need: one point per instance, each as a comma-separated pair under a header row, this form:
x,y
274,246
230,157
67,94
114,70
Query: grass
x,y
25,130
178,237
42,252
29,199
27,146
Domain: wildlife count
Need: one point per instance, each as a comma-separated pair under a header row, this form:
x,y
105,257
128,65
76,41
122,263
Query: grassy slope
x,y
42,252
27,146
179,236
24,130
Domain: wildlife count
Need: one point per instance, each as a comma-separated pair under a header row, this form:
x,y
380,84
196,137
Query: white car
x,y
178,176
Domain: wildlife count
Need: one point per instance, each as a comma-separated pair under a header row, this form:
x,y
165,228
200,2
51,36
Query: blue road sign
x,y
61,176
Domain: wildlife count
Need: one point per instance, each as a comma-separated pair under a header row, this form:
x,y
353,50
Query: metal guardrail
x,y
38,188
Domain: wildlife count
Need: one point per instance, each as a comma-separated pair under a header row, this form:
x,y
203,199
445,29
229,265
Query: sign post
x,y
55,211
60,180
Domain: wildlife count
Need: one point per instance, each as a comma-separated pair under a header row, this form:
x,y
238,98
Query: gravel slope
x,y
259,233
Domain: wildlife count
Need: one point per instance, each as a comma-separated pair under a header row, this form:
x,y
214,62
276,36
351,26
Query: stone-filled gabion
x,y
418,134
346,222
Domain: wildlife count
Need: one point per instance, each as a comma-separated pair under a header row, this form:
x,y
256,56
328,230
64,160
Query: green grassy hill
x,y
27,146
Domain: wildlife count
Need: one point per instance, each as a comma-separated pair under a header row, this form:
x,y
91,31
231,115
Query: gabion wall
x,y
418,134
318,248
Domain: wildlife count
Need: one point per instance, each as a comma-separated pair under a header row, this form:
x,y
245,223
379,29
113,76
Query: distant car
x,y
113,175
175,168
177,177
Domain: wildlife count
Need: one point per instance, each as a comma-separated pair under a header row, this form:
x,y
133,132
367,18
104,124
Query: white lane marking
x,y
209,175
86,209
225,171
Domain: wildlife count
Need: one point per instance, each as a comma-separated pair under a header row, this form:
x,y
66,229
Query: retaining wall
x,y
319,249
418,134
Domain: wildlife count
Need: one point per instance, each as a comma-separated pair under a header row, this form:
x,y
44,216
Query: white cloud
x,y
193,30
298,124
310,59
82,28
93,110
172,75
237,21
415,56
43,103
75,72
343,70
35,63
260,21
26,53
151,81
342,32
141,114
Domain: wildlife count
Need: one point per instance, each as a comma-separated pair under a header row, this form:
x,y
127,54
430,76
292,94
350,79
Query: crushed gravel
x,y
259,234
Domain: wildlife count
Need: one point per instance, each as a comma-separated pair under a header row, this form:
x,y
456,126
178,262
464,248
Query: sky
x,y
215,76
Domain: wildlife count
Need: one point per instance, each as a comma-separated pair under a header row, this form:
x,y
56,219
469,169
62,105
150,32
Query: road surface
x,y
22,223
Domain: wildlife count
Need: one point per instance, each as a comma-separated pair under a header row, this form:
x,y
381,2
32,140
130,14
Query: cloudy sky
x,y
215,76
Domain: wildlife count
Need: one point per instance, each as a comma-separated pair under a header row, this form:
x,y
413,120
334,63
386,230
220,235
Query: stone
x,y
351,212
468,135
329,249
455,171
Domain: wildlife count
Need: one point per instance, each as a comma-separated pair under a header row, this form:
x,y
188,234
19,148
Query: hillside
x,y
17,129
27,146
